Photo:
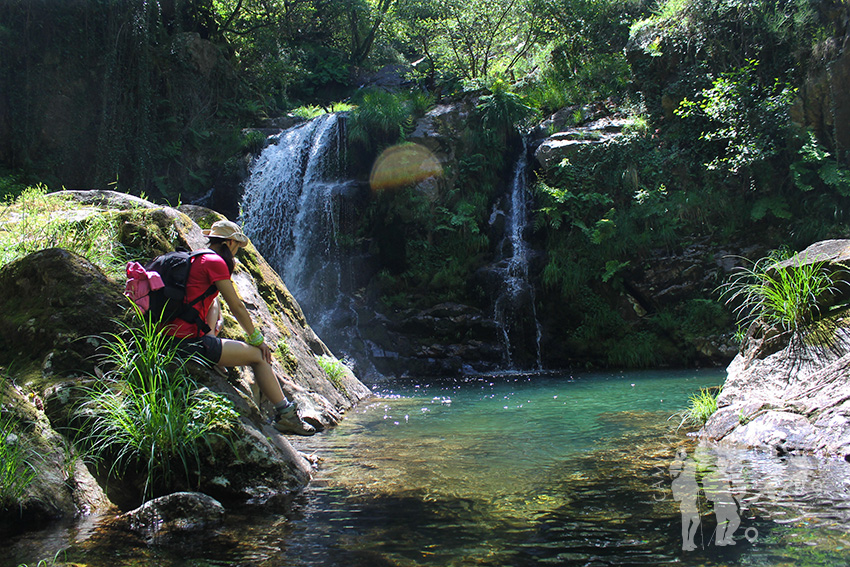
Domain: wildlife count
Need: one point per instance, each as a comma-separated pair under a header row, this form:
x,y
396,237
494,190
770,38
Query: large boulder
x,y
53,307
56,308
567,143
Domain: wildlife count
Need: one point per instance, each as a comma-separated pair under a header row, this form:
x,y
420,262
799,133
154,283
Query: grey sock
x,y
284,406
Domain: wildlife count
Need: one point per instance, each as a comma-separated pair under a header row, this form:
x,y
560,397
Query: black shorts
x,y
207,347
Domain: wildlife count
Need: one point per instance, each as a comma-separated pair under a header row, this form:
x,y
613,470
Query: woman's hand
x,y
267,352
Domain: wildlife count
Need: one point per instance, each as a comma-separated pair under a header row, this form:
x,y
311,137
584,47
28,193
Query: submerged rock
x,y
173,516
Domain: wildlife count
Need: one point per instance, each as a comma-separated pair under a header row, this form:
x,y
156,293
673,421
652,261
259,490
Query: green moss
x,y
271,288
286,356
208,220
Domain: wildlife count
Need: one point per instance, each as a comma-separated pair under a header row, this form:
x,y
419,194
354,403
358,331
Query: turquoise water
x,y
512,470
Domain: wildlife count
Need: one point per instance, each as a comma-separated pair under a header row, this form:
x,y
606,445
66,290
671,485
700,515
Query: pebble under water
x,y
509,470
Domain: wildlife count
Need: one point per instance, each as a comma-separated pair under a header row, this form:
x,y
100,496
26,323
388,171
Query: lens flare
x,y
403,164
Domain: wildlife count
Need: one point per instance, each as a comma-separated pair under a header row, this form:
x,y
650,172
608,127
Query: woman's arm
x,y
234,302
237,307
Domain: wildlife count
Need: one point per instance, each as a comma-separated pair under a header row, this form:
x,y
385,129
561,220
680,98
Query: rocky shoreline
x,y
789,393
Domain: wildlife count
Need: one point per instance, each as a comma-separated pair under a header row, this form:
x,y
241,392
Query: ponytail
x,y
222,250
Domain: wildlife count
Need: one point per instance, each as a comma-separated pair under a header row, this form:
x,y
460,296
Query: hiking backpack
x,y
159,288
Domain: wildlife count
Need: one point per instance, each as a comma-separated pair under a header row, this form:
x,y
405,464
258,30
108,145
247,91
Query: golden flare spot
x,y
403,164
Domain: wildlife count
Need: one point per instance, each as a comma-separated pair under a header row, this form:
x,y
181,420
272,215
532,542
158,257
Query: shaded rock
x,y
822,103
173,516
56,302
444,340
436,129
62,486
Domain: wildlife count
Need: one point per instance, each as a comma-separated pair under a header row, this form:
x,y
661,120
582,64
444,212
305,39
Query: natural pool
x,y
510,470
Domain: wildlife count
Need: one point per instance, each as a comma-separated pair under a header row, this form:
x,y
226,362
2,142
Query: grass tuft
x,y
146,410
335,370
16,469
701,407
786,296
35,221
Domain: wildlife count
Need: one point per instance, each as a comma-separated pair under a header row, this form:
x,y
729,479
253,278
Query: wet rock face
x,y
445,340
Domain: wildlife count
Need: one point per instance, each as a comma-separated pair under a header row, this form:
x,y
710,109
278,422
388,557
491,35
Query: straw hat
x,y
227,230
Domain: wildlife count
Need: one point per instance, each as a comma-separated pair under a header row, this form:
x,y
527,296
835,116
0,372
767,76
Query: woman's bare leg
x,y
237,353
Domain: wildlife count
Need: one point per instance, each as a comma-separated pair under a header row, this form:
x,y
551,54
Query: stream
x,y
514,469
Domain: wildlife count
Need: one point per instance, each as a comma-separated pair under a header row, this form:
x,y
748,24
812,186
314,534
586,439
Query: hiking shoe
x,y
289,422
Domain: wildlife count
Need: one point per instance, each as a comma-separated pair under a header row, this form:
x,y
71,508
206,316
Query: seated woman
x,y
225,239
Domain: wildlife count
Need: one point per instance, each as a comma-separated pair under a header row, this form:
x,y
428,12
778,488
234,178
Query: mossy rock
x,y
202,216
271,288
54,301
152,232
61,486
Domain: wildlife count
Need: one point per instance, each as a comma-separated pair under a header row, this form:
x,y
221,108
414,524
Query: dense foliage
x,y
152,97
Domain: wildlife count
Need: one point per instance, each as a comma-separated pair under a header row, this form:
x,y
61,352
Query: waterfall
x,y
514,306
297,203
292,207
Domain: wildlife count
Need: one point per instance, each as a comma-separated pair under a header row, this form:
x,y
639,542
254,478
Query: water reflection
x,y
542,471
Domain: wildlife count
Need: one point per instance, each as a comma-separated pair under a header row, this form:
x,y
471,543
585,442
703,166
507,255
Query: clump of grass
x,y
35,221
701,407
16,469
334,370
252,141
309,111
147,410
788,296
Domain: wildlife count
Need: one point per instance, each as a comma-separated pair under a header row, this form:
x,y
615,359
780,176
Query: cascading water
x,y
514,307
292,208
294,202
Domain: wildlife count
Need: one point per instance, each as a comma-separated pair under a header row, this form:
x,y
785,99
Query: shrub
x,y
147,410
503,110
379,118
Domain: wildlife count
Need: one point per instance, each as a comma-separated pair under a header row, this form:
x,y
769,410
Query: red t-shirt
x,y
205,271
